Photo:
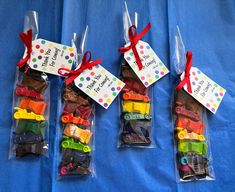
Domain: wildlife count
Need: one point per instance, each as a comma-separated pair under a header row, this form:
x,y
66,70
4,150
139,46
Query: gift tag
x,y
205,90
48,56
153,68
100,85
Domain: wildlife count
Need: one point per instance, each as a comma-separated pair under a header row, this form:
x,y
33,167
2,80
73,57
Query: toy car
x,y
77,157
136,133
23,114
128,73
25,91
138,127
33,126
134,85
84,111
191,146
73,169
27,137
29,148
185,172
134,139
71,96
181,110
184,134
136,107
182,97
69,118
197,164
72,130
37,75
190,125
37,107
135,97
136,116
71,144
36,85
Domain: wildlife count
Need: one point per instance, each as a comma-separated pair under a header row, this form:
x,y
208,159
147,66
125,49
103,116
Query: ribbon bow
x,y
27,40
134,38
186,79
73,74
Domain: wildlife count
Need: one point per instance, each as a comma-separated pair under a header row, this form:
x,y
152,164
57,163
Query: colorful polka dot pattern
x,y
153,68
92,83
49,56
212,98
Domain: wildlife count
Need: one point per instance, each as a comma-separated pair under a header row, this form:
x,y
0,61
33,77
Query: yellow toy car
x,y
184,134
74,131
136,107
23,114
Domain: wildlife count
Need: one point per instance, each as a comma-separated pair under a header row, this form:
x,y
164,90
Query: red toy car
x,y
69,118
134,85
84,111
23,90
190,125
71,96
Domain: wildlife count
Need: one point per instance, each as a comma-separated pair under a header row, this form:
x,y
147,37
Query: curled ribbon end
x,y
186,79
120,50
189,89
140,67
177,88
27,40
67,82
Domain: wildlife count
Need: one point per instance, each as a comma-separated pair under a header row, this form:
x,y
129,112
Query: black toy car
x,y
29,148
136,132
26,137
74,169
69,155
74,162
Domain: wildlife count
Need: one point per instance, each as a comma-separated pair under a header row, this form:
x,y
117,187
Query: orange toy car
x,y
69,118
74,131
190,125
130,95
37,107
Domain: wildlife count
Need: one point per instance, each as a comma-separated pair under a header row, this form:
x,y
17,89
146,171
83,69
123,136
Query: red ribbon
x,y
186,79
86,64
134,38
27,40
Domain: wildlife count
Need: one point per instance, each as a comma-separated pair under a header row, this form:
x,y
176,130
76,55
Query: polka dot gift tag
x,y
100,85
205,90
48,56
153,68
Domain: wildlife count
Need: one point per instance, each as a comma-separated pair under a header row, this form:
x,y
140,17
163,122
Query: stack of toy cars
x,y
29,131
192,161
77,119
135,110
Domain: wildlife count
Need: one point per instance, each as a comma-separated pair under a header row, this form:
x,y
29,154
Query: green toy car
x,y
33,126
70,143
135,116
192,146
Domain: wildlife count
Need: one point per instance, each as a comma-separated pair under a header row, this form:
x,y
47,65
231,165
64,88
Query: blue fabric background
x,y
207,28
